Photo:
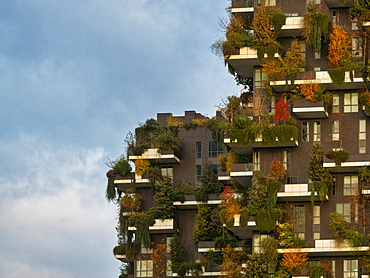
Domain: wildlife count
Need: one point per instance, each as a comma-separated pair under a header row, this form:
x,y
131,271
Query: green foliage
x,y
209,183
177,250
120,166
266,219
364,173
340,156
337,75
317,173
225,240
224,216
142,221
315,26
321,189
152,135
270,253
339,226
163,196
278,20
110,193
255,267
244,215
182,189
355,238
208,224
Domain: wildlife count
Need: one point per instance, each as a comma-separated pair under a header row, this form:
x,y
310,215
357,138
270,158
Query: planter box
x,y
306,109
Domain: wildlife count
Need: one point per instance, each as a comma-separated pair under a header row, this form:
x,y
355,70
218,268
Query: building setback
x,y
276,184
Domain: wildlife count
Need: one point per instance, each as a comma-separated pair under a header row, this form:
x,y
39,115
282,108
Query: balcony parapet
x,y
191,203
242,173
157,156
321,77
160,226
307,109
298,192
205,246
327,247
352,164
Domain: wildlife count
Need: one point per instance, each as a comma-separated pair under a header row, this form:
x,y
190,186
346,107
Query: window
x,y
350,102
318,68
334,16
362,136
256,161
333,187
259,78
198,172
299,221
305,132
292,180
257,242
350,268
265,2
144,268
335,131
350,185
215,148
286,159
333,267
198,149
335,103
316,222
356,47
345,210
316,131
167,172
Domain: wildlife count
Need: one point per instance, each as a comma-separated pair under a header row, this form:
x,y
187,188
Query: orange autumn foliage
x,y
339,47
294,261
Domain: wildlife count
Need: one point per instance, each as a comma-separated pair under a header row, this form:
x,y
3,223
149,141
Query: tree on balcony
x,y
315,28
340,56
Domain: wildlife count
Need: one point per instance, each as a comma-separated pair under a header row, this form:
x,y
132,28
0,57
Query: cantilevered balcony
x,y
306,109
296,193
292,27
243,232
159,227
322,77
242,173
123,183
205,246
248,149
352,164
244,9
191,203
328,247
157,156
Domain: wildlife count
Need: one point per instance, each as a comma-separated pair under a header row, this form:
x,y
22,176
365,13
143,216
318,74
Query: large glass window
x,y
215,149
198,172
299,221
350,102
316,222
335,131
350,185
286,159
356,47
198,149
350,268
144,268
305,132
335,103
256,161
167,172
316,131
362,136
345,210
259,78
257,242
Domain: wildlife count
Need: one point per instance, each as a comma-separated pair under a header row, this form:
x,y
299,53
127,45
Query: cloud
x,y
55,221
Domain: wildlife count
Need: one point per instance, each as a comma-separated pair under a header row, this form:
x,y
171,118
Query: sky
x,y
75,78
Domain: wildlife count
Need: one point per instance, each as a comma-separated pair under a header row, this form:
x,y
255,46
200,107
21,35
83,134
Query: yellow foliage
x,y
141,165
199,122
308,89
171,121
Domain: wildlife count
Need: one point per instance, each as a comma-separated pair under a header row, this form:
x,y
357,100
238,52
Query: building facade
x,y
276,184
